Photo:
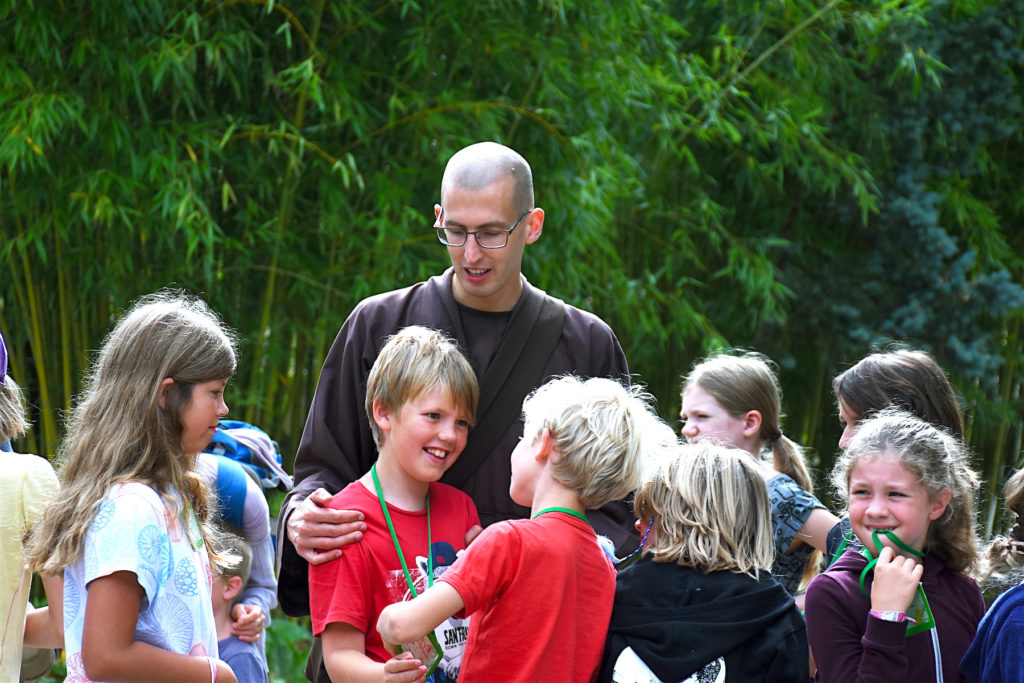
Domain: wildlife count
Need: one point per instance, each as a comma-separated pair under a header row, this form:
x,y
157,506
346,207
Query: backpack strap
x,y
231,485
516,369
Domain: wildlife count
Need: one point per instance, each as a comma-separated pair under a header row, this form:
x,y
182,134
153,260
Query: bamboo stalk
x,y
25,295
37,342
63,311
260,377
1000,456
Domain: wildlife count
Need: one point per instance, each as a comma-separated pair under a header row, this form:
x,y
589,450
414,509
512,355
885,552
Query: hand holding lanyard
x,y
919,613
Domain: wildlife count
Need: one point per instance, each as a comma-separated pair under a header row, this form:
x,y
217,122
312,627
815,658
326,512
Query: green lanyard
x,y
438,650
920,612
394,536
872,560
577,515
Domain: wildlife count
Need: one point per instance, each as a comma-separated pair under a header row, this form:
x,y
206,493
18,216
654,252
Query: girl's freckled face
x,y
885,495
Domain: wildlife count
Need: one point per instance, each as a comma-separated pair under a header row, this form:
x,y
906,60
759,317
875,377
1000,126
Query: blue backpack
x,y
246,451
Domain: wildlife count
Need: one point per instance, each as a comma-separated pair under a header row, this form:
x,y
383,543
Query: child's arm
x,y
110,651
406,622
251,614
44,627
848,643
346,661
814,531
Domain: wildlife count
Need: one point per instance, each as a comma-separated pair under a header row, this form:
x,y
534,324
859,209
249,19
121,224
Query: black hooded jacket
x,y
681,622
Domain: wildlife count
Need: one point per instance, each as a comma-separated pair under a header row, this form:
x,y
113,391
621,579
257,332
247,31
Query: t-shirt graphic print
x,y
451,634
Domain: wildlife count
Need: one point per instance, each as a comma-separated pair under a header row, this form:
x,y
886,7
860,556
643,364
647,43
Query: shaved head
x,y
482,164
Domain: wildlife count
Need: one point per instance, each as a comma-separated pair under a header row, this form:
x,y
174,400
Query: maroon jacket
x,y
337,446
850,645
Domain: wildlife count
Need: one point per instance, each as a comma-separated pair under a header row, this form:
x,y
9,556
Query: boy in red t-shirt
x,y
421,398
540,591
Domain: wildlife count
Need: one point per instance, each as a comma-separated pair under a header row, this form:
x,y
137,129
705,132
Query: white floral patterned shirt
x,y
136,530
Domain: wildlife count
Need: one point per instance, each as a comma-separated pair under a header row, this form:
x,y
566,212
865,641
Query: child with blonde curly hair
x,y
903,607
996,654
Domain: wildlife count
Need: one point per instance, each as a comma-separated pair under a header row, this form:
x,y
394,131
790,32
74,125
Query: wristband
x,y
889,615
213,669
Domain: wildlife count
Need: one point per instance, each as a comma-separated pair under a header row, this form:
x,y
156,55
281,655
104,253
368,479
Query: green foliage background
x,y
810,180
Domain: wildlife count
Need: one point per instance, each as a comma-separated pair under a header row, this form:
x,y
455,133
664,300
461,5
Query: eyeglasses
x,y
491,238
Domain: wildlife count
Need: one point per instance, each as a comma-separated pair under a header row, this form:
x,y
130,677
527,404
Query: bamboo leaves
x,y
770,175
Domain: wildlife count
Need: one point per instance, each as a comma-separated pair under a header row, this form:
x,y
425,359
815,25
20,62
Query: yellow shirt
x,y
27,484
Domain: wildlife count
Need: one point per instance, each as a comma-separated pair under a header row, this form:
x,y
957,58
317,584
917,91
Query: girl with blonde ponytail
x,y
735,400
130,527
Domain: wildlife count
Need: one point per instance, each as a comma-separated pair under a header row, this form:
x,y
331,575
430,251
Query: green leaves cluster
x,y
807,179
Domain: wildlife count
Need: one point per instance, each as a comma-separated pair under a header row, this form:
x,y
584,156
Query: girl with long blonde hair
x,y
735,400
701,603
130,527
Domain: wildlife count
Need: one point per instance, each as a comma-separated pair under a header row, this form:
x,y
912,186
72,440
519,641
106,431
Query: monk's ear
x,y
534,225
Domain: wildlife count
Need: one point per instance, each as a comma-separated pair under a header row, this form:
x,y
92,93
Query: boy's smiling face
x,y
425,436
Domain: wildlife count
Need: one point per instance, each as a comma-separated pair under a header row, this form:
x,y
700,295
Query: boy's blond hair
x,y
711,510
413,361
598,427
232,543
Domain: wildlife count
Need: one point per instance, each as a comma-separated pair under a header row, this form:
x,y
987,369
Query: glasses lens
x,y
452,238
492,239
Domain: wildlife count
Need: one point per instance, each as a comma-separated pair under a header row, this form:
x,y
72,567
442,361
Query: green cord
x,y
405,568
872,560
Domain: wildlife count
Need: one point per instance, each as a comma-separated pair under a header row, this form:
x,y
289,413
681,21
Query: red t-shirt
x,y
356,587
540,593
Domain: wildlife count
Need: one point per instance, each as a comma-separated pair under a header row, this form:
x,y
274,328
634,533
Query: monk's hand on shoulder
x,y
896,580
318,532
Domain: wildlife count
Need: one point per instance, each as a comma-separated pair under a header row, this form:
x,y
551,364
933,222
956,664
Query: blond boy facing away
x,y
421,399
540,590
244,657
